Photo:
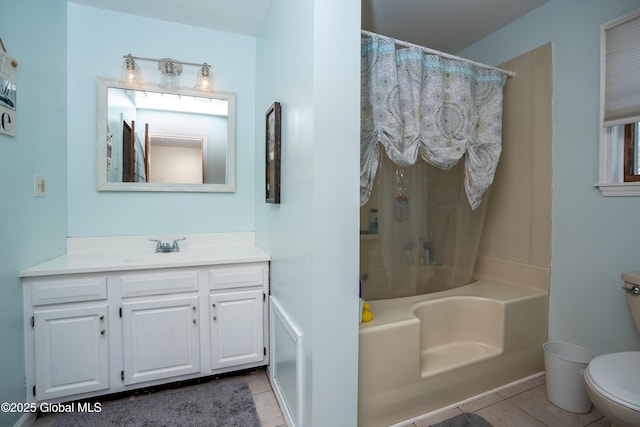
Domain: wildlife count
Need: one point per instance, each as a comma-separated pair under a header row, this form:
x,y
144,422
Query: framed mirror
x,y
156,139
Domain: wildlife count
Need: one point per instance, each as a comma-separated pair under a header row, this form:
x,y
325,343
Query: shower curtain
x,y
443,109
420,105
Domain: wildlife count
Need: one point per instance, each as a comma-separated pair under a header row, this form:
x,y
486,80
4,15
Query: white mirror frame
x,y
101,144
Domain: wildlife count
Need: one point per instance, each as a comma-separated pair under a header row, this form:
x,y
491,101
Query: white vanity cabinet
x,y
70,340
106,332
236,328
237,314
160,324
161,338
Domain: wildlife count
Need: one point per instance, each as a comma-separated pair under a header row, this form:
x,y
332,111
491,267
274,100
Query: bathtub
x,y
426,352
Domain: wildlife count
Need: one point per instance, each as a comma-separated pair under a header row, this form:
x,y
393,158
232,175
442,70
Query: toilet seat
x,y
616,376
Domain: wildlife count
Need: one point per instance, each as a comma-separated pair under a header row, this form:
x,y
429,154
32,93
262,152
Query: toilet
x,y
613,380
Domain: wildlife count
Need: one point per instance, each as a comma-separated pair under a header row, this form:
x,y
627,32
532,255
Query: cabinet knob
x,y
102,317
102,332
194,321
214,318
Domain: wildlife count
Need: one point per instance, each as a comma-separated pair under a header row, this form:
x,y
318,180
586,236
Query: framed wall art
x,y
272,157
8,96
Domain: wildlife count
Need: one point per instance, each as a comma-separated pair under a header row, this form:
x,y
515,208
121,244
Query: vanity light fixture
x,y
204,80
170,70
130,71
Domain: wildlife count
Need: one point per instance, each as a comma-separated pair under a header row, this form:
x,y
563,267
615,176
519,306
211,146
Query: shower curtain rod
x,y
443,54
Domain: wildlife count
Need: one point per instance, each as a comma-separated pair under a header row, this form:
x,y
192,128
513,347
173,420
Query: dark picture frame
x,y
272,154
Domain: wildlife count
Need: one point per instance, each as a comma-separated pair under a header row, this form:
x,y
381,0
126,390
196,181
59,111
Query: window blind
x,y
622,70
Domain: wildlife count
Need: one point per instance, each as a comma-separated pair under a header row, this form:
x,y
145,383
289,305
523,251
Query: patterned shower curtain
x,y
415,103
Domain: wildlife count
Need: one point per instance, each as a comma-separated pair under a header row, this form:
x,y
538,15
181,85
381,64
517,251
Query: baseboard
x,y
465,401
26,420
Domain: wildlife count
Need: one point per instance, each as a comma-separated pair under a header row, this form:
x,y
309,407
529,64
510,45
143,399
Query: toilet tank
x,y
633,298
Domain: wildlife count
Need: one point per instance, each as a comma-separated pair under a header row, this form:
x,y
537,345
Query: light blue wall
x,y
97,39
594,238
308,59
32,229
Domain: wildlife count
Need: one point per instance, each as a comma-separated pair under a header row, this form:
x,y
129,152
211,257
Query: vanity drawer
x,y
237,276
68,290
162,282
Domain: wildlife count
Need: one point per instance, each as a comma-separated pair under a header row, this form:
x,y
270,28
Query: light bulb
x,y
204,79
170,73
130,72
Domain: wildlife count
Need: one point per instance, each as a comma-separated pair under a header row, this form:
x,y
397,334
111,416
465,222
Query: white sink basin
x,y
160,257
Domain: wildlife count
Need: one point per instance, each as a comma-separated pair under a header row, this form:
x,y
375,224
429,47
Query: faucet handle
x,y
175,246
158,244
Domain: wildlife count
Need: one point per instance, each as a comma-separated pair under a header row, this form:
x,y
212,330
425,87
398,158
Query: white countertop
x,y
102,254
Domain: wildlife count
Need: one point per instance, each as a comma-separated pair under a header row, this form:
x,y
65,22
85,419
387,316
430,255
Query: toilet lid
x,y
617,375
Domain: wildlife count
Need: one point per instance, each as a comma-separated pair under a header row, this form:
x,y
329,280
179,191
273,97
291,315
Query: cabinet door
x,y
161,338
71,351
236,328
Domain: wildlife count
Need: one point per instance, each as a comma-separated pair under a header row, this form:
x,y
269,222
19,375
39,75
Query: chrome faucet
x,y
166,247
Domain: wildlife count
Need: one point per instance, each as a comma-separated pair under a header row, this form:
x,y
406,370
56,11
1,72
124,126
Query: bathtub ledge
x,y
392,311
452,356
370,327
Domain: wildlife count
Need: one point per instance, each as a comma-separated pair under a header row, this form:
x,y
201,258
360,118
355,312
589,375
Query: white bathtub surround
x,y
426,352
506,271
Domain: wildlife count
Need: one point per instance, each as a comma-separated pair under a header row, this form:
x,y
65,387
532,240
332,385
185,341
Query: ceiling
x,y
233,16
446,25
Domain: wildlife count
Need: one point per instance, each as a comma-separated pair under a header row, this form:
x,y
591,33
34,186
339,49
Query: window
x,y
620,106
631,153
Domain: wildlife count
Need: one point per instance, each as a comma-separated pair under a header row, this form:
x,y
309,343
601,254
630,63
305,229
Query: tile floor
x,y
266,403
263,397
521,405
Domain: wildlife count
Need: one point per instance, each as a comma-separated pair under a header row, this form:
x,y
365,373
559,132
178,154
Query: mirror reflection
x,y
152,139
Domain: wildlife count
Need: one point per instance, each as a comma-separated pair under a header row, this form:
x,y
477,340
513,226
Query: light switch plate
x,y
39,186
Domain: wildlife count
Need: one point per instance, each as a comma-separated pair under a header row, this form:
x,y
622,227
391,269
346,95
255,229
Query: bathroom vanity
x,y
111,320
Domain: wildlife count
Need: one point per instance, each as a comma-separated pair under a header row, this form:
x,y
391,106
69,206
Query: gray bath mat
x,y
226,403
464,420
